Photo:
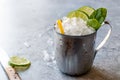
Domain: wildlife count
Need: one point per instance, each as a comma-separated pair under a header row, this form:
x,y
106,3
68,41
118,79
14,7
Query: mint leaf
x,y
99,14
93,23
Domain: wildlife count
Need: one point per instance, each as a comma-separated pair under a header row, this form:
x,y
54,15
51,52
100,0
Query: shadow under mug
x,y
75,54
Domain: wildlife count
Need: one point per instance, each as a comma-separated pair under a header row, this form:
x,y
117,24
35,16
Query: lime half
x,y
87,9
78,14
18,61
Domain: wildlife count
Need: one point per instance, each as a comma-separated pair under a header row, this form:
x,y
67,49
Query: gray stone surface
x,y
22,27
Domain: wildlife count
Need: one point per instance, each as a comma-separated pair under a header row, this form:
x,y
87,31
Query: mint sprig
x,y
99,14
97,18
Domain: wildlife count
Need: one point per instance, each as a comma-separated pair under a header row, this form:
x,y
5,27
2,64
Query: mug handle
x,y
106,37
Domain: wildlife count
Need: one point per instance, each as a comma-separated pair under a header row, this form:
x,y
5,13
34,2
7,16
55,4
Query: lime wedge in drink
x,y
87,9
72,14
93,23
78,14
18,61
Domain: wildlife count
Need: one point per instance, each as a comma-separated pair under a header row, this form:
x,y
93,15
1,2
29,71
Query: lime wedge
x,y
87,9
78,14
93,23
18,61
72,14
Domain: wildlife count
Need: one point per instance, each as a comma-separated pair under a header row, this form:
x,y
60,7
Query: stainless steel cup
x,y
75,54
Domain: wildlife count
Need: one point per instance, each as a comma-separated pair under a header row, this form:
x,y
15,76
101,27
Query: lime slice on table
x,y
87,9
78,14
21,68
19,63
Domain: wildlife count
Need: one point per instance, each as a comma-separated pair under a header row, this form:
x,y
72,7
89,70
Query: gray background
x,y
22,32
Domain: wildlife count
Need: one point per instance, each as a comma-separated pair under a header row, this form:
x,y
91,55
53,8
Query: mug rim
x,y
75,35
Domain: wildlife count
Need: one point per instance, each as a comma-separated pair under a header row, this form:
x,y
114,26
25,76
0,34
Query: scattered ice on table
x,y
47,40
49,58
46,56
27,44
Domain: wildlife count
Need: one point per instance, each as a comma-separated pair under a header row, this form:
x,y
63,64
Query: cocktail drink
x,y
75,36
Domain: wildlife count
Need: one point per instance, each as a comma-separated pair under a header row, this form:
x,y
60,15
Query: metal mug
x,y
75,54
